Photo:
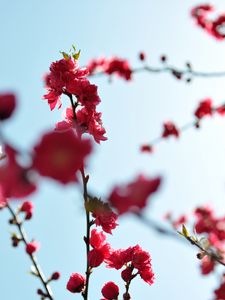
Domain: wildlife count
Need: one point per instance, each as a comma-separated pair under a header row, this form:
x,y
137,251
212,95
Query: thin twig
x,y
155,226
208,253
175,71
193,124
24,239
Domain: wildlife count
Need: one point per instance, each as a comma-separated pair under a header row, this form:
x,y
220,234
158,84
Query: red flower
x,y
97,239
169,129
221,110
113,65
97,255
86,93
118,258
76,283
133,257
147,275
146,148
199,13
218,27
96,64
101,249
27,208
110,291
207,222
7,105
220,292
133,197
207,265
119,67
142,56
32,247
55,276
15,179
126,274
90,122
201,9
87,121
204,108
140,257
104,216
60,155
62,73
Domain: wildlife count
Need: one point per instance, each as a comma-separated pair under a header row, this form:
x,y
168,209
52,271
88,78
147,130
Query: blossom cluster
x,y
212,240
66,78
133,260
213,27
110,66
205,108
58,155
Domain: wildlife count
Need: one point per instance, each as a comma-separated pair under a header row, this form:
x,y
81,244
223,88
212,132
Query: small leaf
x,y
65,55
185,231
76,55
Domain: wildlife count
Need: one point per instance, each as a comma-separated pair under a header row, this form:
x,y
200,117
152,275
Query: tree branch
x,y
24,239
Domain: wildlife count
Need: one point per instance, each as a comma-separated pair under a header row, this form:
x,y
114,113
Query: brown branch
x,y
179,73
39,273
193,124
174,70
158,228
86,197
88,226
208,253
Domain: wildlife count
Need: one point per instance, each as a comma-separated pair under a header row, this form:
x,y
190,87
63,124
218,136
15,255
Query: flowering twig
x,y
173,234
38,271
86,197
179,73
206,251
171,129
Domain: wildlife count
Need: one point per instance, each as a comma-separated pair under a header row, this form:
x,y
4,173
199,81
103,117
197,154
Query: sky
x,y
193,167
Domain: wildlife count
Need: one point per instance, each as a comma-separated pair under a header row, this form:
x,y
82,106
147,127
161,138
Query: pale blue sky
x,y
32,34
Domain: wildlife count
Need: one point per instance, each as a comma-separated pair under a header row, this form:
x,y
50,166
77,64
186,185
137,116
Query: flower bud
x,y
7,105
32,247
110,290
76,283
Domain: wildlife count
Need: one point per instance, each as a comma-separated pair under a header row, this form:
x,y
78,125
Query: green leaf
x,y
185,231
65,55
76,55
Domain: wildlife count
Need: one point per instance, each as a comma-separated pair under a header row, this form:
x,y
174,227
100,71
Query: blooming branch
x,y
122,68
205,249
30,249
205,108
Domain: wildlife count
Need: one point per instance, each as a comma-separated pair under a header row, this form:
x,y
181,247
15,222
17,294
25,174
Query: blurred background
x,y
32,34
